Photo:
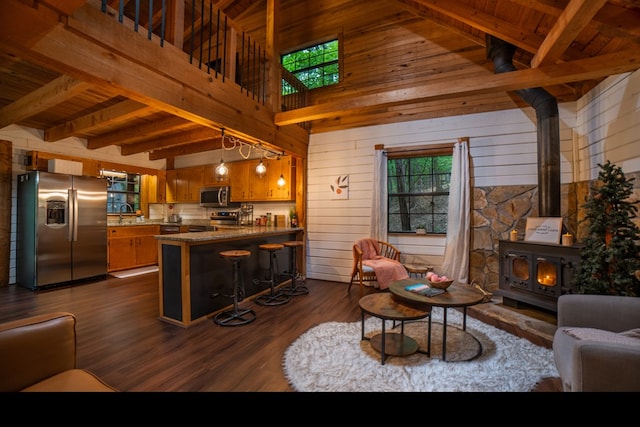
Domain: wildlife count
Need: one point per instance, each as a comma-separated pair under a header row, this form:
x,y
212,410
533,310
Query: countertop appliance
x,y
225,217
215,197
61,229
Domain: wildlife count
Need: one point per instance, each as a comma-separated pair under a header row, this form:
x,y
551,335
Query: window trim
x,y
411,152
340,60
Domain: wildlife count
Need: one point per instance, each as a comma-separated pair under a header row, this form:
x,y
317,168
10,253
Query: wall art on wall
x,y
339,187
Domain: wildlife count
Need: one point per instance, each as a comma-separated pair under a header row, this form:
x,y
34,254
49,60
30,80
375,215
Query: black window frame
x,y
409,204
314,51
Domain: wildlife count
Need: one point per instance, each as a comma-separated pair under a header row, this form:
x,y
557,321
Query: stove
x,y
536,273
225,217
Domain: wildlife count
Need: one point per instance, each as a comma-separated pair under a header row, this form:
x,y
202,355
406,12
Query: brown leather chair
x,y
38,353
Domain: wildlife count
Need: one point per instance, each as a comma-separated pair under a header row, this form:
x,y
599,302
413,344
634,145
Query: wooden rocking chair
x,y
363,273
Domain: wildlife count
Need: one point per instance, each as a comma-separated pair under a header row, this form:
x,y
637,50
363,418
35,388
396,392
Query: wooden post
x,y
6,153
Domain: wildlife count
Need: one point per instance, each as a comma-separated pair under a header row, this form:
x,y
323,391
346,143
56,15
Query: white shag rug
x,y
332,357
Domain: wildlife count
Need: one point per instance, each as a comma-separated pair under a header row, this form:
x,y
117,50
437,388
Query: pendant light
x,y
281,181
261,169
222,171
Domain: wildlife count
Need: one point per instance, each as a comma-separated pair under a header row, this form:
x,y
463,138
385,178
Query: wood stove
x,y
536,273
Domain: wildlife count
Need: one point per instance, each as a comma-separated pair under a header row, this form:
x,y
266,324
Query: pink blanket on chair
x,y
387,270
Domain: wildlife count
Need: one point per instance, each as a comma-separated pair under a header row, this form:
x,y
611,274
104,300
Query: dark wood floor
x,y
121,339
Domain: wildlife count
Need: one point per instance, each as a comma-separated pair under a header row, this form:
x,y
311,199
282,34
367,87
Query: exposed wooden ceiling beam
x,y
180,138
489,24
138,133
182,150
575,17
114,114
583,69
49,95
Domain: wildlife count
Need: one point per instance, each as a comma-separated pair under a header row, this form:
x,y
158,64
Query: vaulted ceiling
x,y
402,60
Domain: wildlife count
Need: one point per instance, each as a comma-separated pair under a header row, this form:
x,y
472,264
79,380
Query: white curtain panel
x,y
456,250
379,205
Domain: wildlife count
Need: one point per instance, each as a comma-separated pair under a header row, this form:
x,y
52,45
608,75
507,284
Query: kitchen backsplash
x,y
191,211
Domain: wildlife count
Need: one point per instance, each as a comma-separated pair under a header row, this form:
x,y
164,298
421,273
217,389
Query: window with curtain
x,y
418,183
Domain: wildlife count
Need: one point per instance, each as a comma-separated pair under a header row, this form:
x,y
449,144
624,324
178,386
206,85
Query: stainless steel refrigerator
x,y
61,229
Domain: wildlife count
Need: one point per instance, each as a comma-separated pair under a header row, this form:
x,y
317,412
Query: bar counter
x,y
195,283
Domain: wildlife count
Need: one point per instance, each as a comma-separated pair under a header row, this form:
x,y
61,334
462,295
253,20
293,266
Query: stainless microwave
x,y
214,197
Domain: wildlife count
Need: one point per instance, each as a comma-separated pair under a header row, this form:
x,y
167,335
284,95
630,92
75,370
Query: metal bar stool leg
x,y
235,316
295,288
276,296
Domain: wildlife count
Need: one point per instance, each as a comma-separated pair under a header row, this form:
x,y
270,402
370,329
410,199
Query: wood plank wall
x,y
503,152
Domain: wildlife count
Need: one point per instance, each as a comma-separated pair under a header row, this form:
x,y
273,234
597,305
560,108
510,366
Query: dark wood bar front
x,y
196,283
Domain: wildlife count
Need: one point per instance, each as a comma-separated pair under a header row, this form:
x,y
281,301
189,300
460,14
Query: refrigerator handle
x,y
73,224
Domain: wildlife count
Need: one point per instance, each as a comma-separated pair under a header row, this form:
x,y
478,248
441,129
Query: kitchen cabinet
x,y
183,185
132,246
275,169
209,176
247,186
153,187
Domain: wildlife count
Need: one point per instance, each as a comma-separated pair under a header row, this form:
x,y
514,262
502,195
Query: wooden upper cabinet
x,y
153,188
209,176
276,169
170,187
183,185
247,186
239,181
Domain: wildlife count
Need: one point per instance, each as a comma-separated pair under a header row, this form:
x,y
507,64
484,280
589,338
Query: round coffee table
x,y
456,295
383,306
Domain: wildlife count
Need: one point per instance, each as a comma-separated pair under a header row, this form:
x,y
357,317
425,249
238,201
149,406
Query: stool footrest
x,y
277,298
235,317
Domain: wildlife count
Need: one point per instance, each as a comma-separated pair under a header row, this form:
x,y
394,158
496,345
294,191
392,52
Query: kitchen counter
x,y
227,232
195,283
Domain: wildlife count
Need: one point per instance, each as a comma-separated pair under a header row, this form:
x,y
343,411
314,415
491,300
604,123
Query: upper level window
x,y
315,66
418,190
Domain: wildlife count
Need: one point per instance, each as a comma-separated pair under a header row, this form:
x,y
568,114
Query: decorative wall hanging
x,y
340,187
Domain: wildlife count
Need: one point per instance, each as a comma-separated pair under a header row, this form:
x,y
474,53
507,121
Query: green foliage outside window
x,y
418,193
315,66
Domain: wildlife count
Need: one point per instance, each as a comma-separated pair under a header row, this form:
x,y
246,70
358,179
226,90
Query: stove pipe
x,y
548,137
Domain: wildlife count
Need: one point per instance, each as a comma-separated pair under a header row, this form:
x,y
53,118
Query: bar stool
x,y
275,297
294,289
235,317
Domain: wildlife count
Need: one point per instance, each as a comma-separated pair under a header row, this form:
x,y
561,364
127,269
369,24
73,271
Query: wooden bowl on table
x,y
440,285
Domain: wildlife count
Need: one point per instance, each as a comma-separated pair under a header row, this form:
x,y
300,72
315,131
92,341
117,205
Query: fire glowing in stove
x,y
547,274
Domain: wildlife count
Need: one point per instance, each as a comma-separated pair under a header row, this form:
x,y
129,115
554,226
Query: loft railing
x,y
212,44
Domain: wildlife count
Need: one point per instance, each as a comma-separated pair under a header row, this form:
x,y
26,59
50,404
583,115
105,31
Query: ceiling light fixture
x,y
261,169
222,171
281,181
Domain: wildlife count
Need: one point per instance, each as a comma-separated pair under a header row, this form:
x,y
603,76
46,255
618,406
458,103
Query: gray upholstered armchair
x,y
597,344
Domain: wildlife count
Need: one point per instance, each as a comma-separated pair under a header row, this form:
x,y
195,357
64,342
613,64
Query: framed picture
x,y
543,229
339,187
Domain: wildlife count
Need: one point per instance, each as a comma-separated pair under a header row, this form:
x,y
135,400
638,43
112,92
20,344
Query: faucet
x,y
125,206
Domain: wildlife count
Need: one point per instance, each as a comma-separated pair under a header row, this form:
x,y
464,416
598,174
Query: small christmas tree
x,y
611,254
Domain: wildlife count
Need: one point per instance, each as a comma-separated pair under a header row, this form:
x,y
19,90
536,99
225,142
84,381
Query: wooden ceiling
x,y
402,60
